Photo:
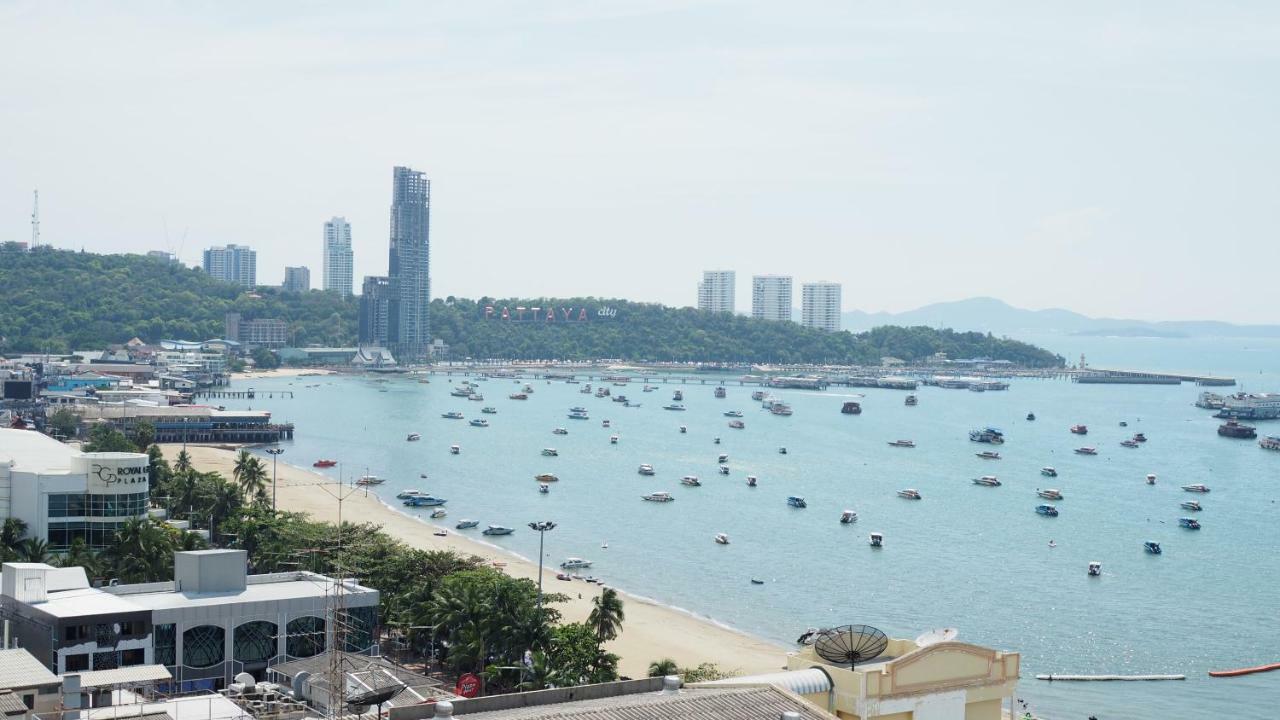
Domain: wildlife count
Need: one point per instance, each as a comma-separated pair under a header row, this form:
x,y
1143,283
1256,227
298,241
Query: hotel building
x,y
338,258
232,263
820,306
716,291
771,297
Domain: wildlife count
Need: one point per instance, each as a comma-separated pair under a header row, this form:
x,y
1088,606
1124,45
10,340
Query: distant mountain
x,y
984,314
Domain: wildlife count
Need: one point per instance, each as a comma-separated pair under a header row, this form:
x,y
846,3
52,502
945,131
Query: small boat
x,y
406,494
466,524
435,514
851,408
1152,547
988,455
613,439
560,431
758,395
544,488
585,389
724,469
683,429
756,581
441,533
733,413
1095,569
604,423
454,449
645,469
520,396
782,451
751,481
1124,424
848,517
564,576
987,435
1151,478
902,443
324,463
527,388
497,530
476,396
1080,429
1193,505
479,422
1129,443
1189,523
723,458
1233,429
579,415
911,401
674,406
650,388
677,396
720,393
546,478
717,441
1048,471
1270,442
910,494
780,408
452,415
575,563
550,452
1050,494
691,481
424,501
1047,510
1031,417
722,539
1086,451
369,480
1197,488
796,501
737,424
876,540
658,497
489,410
987,481
463,390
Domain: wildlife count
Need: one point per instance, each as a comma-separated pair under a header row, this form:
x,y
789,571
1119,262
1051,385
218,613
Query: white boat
x,y
454,449
690,480
1196,488
575,563
560,431
550,452
370,480
848,516
796,501
439,513
1193,505
497,530
733,413
476,396
479,422
910,494
406,494
659,496
876,540
722,539
489,410
674,406
987,480
466,524
1151,478
1095,569
452,415
1086,451
413,437
902,443
988,455
1048,472
751,480
724,469
645,469
724,458
1050,494
544,488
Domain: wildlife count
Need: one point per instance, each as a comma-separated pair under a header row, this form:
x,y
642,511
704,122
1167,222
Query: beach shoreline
x,y
281,372
651,631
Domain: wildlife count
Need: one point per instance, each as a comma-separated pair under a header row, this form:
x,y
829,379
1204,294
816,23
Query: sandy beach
x,y
650,632
280,372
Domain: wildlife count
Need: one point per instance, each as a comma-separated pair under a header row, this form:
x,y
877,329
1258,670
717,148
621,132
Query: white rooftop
x,y
31,451
288,586
197,707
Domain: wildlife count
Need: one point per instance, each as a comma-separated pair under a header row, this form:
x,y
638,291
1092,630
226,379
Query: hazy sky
x,y
1117,159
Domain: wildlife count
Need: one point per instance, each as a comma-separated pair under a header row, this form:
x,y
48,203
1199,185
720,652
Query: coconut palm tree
x,y
11,535
35,550
81,555
253,479
606,616
243,459
663,668
226,502
183,462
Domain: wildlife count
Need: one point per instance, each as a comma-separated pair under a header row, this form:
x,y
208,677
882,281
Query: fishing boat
x,y
479,422
674,406
658,497
1047,510
691,481
876,540
1050,494
487,410
848,516
1192,505
1197,488
987,435
1080,429
550,452
796,501
902,443
720,393
1129,443
424,501
1048,471
466,524
560,431
1270,442
437,514
369,480
737,424
733,413
1152,547
645,469
722,539
1189,523
575,563
988,455
324,463
521,396
546,478
454,449
1095,569
1234,429
911,401
1086,451
987,481
452,415
1151,478
751,481
497,530
910,494
851,408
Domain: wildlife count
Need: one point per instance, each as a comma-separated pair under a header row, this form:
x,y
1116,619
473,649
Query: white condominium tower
x,y
232,263
715,292
820,305
771,297
337,256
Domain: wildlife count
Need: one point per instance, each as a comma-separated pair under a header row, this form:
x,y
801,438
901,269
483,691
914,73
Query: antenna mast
x,y
35,220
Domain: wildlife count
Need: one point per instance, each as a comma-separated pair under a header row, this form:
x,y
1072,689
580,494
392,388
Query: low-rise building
x,y
259,332
191,423
26,685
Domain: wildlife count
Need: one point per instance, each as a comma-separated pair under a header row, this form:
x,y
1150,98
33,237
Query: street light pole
x,y
275,452
542,528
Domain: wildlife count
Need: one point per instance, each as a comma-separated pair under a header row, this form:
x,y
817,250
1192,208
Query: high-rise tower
x,y
716,291
338,263
771,297
820,305
409,264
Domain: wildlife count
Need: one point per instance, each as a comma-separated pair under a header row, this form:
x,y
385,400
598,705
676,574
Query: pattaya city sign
x,y
521,313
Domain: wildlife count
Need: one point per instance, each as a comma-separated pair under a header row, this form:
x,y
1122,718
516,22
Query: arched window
x,y
202,646
254,642
304,636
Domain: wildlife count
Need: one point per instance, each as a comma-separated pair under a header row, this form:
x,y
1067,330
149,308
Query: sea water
x,y
976,558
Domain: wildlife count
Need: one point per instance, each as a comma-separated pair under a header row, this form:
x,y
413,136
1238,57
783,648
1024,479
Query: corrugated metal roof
x,y
20,669
11,704
131,675
690,704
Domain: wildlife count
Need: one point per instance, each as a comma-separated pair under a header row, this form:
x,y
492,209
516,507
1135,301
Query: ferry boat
x,y
466,524
560,431
910,494
720,393
497,530
1095,569
369,480
677,396
780,408
1050,494
1270,442
424,501
1197,488
1048,471
658,497
911,401
751,481
452,415
796,501
1189,523
987,481
722,539
546,478
691,481
876,540
848,516
479,422
1129,443
733,413
324,463
645,469
902,443
1152,547
1233,429
1080,429
737,424
988,455
550,452
851,408
1047,510
574,563
487,410
674,406
519,396
579,415
1259,406
1192,505
758,395
987,435
454,450
1086,451
1210,401
437,514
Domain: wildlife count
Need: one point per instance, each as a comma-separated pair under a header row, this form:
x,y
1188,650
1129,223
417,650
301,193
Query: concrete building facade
x,y
716,291
297,279
232,263
339,260
820,305
378,302
771,297
409,264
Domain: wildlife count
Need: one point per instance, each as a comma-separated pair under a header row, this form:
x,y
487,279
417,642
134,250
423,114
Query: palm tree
x,y
11,535
253,479
81,555
35,550
663,668
467,612
142,551
183,462
226,501
607,615
243,459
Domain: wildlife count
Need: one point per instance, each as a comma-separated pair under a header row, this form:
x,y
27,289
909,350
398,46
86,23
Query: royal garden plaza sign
x,y
115,475
521,313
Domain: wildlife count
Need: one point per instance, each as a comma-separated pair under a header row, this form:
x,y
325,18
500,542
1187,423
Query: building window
x,y
136,656
75,633
304,637
77,663
202,646
105,660
166,643
254,642
359,624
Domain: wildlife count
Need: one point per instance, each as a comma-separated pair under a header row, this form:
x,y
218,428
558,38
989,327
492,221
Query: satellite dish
x,y
850,644
247,680
300,684
936,635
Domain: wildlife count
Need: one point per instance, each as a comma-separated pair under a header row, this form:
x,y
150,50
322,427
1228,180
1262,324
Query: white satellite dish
x,y
937,635
247,680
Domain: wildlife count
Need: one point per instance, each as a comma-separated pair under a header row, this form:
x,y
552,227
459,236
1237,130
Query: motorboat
x,y
902,443
1050,494
674,406
424,501
546,478
691,481
737,424
463,390
1124,424
1095,569
479,422
1152,547
876,540
1192,505
497,530
724,469
723,458
1270,442
645,469
722,539
550,452
369,480
911,401
1129,443
1080,429
544,488
988,455
1031,417
796,501
1047,510
851,408
527,388
1139,437
1151,478
758,395
987,480
520,396
780,408
751,481
677,396
466,524
717,441
452,415
720,393
613,439
683,429
987,435
437,514
658,497
579,415
406,494
604,423
733,413
476,397
324,463
560,431
1234,429
1048,471
910,494
487,410
1086,451
782,451
1189,523
575,563
848,516
454,449
1197,488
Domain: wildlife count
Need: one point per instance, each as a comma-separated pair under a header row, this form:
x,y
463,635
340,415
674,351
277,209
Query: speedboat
x,y
1047,510
876,540
848,516
1050,494
550,452
1048,471
674,406
544,488
724,458
613,439
1139,437
851,408
1151,478
987,435
659,496
910,401
369,480
560,431
575,563
1197,488
579,415
1086,451
910,494
988,455
476,396
691,481
1080,429
466,524
733,413
454,449
1152,547
497,530
324,463
1189,523
489,410
902,443
452,415
436,514
518,396
424,501
796,501
724,469
546,478
479,422
406,494
1129,443
1095,568
1193,505
987,480
751,481
737,424
645,469
722,539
